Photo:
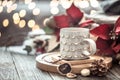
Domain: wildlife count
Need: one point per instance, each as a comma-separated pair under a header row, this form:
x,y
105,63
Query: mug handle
x,y
92,47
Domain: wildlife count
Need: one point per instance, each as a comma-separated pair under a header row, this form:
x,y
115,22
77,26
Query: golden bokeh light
x,y
0,34
28,1
1,9
32,5
0,2
36,27
76,3
4,3
22,23
15,16
54,3
45,21
5,22
31,23
94,3
22,13
9,3
9,9
16,21
14,6
83,4
54,10
36,11
66,3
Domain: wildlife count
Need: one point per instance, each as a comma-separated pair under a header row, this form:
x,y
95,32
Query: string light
x,y
83,4
22,23
66,3
0,34
36,11
36,27
5,22
9,3
16,21
54,3
1,9
22,13
31,23
4,3
76,3
94,3
9,9
14,6
0,2
15,16
31,5
45,21
28,1
54,10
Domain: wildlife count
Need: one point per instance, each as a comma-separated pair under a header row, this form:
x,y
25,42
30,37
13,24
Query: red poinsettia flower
x,y
108,41
57,32
117,26
86,23
62,21
102,31
74,14
73,17
40,50
104,47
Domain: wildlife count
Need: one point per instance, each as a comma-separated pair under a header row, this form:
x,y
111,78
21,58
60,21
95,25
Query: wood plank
x,y
113,74
94,78
57,76
26,67
7,67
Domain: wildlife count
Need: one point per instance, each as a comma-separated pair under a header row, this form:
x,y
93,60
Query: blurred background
x,y
18,17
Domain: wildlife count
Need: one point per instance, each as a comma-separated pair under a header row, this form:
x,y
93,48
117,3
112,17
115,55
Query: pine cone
x,y
99,68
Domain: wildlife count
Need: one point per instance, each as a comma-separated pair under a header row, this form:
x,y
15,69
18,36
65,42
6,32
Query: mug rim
x,y
72,29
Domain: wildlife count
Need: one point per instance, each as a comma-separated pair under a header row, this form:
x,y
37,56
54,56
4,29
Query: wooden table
x,y
15,66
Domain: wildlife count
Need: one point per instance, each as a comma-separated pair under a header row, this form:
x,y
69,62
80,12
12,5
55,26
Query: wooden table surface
x,y
15,66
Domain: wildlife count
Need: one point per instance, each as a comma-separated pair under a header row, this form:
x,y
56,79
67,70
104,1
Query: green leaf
x,y
48,30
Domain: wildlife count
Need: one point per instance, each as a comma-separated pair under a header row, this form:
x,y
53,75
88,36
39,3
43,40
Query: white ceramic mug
x,y
75,43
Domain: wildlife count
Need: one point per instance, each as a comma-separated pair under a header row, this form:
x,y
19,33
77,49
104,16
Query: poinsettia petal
x,y
117,26
40,50
117,48
113,44
86,23
57,33
104,47
75,14
102,44
62,21
102,31
106,52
